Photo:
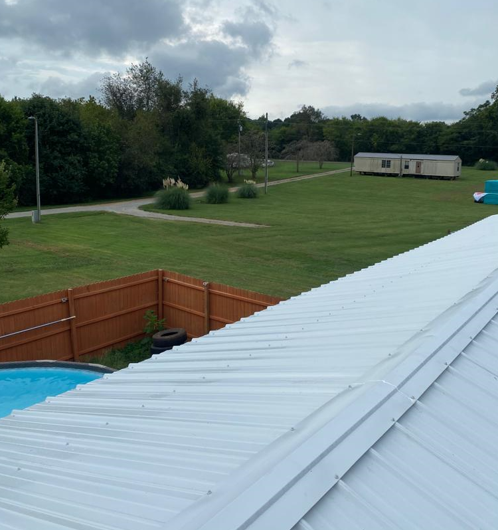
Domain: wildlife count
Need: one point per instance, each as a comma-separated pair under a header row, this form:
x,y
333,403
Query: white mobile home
x,y
394,164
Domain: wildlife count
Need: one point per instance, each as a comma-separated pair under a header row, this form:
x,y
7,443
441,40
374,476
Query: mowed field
x,y
319,230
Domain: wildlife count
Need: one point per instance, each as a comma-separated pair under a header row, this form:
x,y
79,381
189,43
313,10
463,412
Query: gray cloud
x,y
60,88
253,30
91,26
253,34
217,64
484,89
213,63
412,111
175,34
297,63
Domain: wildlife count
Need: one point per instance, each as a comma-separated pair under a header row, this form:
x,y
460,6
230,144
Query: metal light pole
x,y
266,154
240,130
37,214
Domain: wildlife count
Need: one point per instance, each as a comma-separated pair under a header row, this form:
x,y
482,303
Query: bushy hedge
x,y
217,194
173,199
486,165
248,190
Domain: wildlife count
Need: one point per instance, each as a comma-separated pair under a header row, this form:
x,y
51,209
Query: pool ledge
x,y
58,364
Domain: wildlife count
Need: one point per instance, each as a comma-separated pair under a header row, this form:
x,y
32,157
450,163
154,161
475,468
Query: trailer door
x,y
418,167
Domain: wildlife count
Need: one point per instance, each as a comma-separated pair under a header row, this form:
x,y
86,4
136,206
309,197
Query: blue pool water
x,y
23,387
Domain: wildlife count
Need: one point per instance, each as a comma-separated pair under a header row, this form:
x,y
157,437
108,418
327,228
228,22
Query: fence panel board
x,y
110,314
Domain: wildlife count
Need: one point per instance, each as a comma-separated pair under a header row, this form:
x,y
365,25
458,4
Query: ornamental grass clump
x,y
217,194
248,190
173,199
486,165
174,196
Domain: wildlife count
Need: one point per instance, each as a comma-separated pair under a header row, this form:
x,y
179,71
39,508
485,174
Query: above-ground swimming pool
x,y
26,386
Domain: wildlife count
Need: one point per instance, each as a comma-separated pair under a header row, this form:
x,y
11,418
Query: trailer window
x,y
407,164
386,164
458,166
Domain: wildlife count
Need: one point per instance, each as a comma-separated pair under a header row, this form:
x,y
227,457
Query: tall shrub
x,y
248,190
173,199
486,165
217,194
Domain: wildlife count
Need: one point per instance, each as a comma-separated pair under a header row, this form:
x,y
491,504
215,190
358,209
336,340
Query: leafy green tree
x,y
231,160
7,200
139,164
225,116
321,152
61,139
253,147
296,151
135,91
13,144
102,148
198,149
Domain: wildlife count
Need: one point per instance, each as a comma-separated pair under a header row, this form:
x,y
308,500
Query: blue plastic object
x,y
491,186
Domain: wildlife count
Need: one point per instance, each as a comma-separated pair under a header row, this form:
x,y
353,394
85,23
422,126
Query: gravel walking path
x,y
133,207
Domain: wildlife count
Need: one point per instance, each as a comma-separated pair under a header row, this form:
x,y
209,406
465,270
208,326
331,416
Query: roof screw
x,y
18,469
209,492
293,429
336,477
394,419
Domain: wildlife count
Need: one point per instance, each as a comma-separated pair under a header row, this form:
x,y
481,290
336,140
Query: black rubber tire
x,y
154,350
167,338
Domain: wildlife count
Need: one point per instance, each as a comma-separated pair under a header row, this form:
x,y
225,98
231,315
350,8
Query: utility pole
x,y
266,154
37,215
240,130
352,153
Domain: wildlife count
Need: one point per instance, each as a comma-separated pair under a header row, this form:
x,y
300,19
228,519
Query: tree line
x,y
145,128
473,137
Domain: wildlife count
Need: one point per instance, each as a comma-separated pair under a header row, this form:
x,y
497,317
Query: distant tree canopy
x,y
474,136
7,200
146,128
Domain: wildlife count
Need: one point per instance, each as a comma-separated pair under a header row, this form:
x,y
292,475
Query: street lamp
x,y
238,160
37,213
352,152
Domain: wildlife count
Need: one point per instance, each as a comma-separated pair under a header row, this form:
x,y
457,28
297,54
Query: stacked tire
x,y
167,338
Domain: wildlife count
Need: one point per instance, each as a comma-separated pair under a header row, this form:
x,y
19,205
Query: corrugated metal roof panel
x,y
437,467
442,158
174,438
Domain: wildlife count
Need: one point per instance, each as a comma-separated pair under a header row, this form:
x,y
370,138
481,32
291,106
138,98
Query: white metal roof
x,y
442,158
437,466
232,430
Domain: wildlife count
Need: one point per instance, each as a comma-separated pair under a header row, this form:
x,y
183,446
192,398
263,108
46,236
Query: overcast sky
x,y
422,59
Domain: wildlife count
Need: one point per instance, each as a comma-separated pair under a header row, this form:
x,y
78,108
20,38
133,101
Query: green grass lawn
x,y
285,169
320,230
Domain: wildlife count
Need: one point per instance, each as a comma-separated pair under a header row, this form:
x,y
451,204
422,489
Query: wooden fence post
x,y
207,315
72,324
160,291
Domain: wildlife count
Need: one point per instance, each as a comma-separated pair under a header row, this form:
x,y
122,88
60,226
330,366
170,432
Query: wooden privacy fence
x,y
88,320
